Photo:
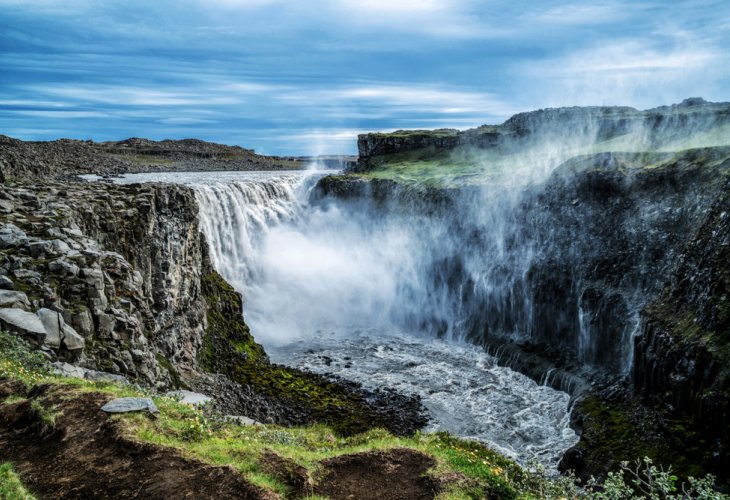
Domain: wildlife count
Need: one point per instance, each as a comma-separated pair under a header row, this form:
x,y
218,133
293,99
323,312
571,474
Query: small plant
x,y
644,480
10,485
18,360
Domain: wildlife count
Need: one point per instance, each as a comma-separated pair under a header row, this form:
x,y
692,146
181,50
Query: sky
x,y
305,77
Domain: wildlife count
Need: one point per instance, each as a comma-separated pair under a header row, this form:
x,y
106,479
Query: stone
x,y
26,274
241,420
64,267
75,232
68,370
24,323
189,397
130,405
72,340
9,298
6,283
58,332
53,323
6,206
12,236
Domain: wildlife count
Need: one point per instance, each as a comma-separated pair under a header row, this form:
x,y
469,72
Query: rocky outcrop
x,y
654,128
25,160
587,250
682,357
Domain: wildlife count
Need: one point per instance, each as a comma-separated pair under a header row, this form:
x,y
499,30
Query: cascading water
x,y
347,289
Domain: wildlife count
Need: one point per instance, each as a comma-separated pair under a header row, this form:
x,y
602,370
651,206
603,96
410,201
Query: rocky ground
x,y
67,157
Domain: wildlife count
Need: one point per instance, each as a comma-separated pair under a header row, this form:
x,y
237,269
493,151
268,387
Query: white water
x,y
327,287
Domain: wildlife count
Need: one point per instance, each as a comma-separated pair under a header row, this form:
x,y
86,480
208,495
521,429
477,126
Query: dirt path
x,y
394,475
87,457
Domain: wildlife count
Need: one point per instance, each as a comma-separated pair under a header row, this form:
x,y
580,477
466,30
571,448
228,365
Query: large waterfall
x,y
388,290
367,293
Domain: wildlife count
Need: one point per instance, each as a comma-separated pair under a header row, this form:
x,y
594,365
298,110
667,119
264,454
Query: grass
x,y
474,470
11,488
465,469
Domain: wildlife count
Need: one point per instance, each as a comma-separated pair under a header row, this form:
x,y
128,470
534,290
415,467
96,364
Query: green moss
x,y
228,341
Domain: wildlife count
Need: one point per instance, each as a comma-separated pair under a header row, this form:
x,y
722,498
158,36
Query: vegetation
x,y
11,488
464,469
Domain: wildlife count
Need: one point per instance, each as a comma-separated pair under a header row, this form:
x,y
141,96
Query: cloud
x,y
634,72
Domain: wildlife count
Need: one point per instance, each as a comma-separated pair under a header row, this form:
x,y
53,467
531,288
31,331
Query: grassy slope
x,y
467,469
463,166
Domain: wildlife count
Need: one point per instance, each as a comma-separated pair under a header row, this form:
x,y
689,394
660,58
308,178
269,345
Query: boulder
x,y
63,267
69,370
58,332
48,247
72,340
130,405
12,236
189,397
9,298
6,283
53,323
241,420
23,323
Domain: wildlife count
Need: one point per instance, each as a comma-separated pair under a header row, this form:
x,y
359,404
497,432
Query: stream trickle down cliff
x,y
333,288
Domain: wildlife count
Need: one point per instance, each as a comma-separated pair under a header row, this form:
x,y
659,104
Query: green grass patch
x,y
11,487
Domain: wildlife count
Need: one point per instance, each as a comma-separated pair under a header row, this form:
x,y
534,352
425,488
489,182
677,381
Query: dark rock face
x,y
120,265
658,126
682,359
577,257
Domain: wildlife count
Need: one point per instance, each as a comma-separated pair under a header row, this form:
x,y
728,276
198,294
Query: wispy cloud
x,y
293,77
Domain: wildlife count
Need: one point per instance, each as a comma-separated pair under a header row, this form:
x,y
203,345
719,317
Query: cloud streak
x,y
293,78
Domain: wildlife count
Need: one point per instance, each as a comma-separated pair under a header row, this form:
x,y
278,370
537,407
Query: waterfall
x,y
235,216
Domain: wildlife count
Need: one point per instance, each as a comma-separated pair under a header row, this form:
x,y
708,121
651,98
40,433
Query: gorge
x,y
561,276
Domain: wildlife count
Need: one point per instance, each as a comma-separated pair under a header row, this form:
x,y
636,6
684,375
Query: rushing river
x,y
327,289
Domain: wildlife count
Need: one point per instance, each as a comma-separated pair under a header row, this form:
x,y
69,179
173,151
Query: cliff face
x,y
558,270
682,361
612,249
121,264
653,128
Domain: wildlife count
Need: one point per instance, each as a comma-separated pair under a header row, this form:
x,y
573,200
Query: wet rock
x,y
130,405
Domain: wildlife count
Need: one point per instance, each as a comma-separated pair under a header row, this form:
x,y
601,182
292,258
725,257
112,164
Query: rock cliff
x,y
652,128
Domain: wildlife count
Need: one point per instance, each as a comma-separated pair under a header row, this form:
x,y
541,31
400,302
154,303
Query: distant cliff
x,y
65,157
658,126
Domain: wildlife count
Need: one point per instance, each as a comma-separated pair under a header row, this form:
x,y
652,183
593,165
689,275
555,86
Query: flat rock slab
x,y
130,405
24,323
189,397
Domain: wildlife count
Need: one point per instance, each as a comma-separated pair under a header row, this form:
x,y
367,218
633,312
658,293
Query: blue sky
x,y
287,77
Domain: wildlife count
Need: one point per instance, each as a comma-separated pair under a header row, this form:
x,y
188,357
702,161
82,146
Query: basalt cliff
x,y
604,275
